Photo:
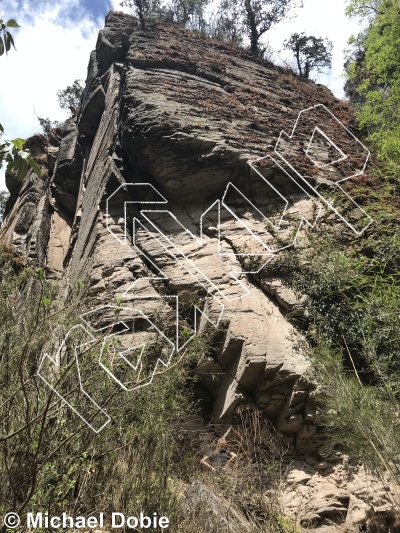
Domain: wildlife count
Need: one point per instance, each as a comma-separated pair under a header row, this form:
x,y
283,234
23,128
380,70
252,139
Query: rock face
x,y
323,491
148,197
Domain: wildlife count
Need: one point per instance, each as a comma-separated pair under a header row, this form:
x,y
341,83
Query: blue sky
x,y
97,7
56,37
73,10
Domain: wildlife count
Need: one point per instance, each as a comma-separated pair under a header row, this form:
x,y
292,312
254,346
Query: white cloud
x,y
52,51
117,7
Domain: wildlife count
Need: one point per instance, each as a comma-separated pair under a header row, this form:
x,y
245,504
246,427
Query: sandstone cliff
x,y
170,191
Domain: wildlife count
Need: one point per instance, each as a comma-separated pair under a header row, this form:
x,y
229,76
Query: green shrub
x,y
352,324
50,459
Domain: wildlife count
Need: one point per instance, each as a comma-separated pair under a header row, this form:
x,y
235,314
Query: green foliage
x,y
47,125
352,324
142,460
11,151
358,418
353,301
6,38
70,97
374,75
363,8
16,158
49,457
3,199
311,53
285,524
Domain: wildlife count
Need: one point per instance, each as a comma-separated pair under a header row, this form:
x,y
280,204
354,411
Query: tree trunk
x,y
140,11
298,61
254,35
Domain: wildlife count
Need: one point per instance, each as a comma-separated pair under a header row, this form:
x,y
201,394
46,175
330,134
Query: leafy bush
x,y
352,323
70,97
47,125
50,459
373,72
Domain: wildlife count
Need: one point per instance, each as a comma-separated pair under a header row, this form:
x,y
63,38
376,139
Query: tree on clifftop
x,y
310,53
143,9
188,13
234,19
70,97
258,16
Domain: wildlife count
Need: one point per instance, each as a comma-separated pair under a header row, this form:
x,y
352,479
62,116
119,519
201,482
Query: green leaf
x,y
12,24
35,167
16,164
23,171
1,46
46,302
11,39
18,143
7,41
40,273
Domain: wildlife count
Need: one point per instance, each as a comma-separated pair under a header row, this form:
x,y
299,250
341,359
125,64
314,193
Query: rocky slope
x,y
167,192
